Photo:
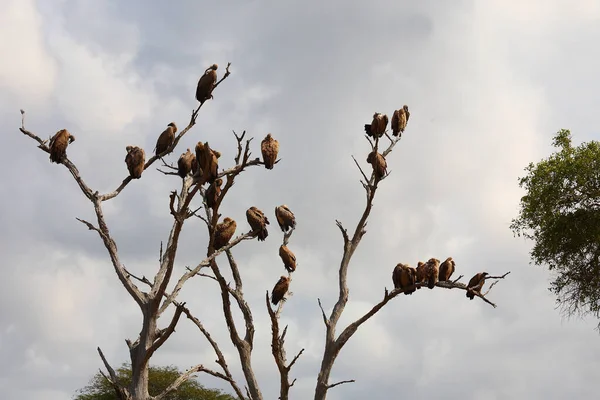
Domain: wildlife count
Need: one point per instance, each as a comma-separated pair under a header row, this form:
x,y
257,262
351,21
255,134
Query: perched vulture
x,y
269,148
58,145
165,139
288,258
475,284
258,222
213,192
399,120
184,164
224,232
404,276
421,273
447,269
208,163
135,160
206,84
378,125
379,164
195,166
285,218
280,289
432,270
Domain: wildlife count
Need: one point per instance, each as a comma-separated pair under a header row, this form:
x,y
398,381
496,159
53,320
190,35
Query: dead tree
x,y
155,301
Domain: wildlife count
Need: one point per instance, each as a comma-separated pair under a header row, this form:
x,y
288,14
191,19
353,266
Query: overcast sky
x,y
487,83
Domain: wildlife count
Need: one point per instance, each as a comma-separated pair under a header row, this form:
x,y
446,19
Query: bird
x,y
208,163
213,192
258,222
166,139
475,284
378,125
288,258
432,269
269,148
285,218
379,164
405,108
403,277
224,232
421,273
447,269
184,164
135,160
399,120
206,84
280,289
58,145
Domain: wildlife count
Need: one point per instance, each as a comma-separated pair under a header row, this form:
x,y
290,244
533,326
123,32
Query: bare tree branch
x,y
339,383
185,376
114,380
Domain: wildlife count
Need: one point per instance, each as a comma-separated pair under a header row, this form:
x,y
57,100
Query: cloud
x,y
486,88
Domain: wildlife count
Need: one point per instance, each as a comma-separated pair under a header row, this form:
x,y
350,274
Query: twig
x,y
361,170
113,376
339,383
323,312
344,232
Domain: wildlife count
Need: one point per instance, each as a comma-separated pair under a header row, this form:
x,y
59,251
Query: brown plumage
x,y
280,289
58,145
447,269
165,139
288,258
404,276
258,222
135,160
421,273
213,192
378,125
475,284
379,164
224,232
285,218
432,270
269,148
184,164
208,164
405,108
399,120
206,84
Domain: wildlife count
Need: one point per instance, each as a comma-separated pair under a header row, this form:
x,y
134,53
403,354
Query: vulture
x,y
399,120
432,269
184,164
404,276
208,163
475,284
447,269
166,139
258,222
379,164
58,145
420,273
135,160
269,148
280,289
378,125
224,232
285,218
206,84
213,192
288,258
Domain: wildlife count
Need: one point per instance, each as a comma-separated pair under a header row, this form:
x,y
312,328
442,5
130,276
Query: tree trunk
x,y
246,361
329,355
140,356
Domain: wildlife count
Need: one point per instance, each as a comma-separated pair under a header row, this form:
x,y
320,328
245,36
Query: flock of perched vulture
x,y
429,273
203,165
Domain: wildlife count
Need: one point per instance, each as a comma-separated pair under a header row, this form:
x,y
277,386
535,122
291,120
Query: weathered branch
x,y
325,320
339,383
220,358
114,380
167,332
185,376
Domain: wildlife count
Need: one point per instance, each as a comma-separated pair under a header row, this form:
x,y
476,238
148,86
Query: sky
x,y
488,84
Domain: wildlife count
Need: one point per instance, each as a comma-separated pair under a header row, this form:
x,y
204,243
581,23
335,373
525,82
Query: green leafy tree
x,y
160,378
560,212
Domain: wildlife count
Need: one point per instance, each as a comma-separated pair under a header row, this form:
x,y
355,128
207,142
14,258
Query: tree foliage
x,y
99,388
560,212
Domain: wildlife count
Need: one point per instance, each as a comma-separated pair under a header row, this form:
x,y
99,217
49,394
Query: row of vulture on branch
x,y
431,272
